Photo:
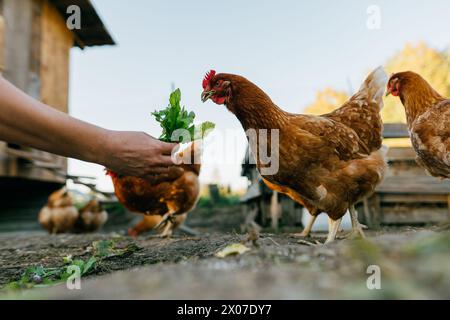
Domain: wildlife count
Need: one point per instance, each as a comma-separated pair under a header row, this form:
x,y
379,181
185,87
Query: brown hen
x,y
92,217
59,214
328,162
167,195
428,117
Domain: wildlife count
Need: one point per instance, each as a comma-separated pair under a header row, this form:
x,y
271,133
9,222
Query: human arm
x,y
26,121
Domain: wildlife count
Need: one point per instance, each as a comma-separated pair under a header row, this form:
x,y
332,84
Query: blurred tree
x,y
432,64
326,101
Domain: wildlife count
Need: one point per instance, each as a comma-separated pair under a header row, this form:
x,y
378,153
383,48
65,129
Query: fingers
x,y
165,170
166,161
164,174
158,170
166,148
157,175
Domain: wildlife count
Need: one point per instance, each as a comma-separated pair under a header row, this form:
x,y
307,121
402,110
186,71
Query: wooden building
x,y
406,196
35,45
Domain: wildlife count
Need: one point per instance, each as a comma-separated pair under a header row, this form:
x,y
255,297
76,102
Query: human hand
x,y
137,154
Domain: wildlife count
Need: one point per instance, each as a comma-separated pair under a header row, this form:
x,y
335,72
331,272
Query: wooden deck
x,y
407,195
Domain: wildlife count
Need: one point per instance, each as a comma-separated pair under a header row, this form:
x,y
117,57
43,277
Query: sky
x,y
291,49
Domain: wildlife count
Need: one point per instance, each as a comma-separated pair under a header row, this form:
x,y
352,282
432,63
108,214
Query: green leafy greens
x,y
101,250
175,117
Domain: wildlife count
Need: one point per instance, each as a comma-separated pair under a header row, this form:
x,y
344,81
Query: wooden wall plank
x,y
56,43
414,215
2,39
17,15
407,198
34,79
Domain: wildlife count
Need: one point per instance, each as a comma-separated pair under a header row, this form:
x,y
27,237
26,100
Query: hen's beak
x,y
388,90
207,94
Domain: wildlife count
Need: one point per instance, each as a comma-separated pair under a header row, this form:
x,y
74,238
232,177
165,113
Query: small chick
x,y
59,215
92,216
153,223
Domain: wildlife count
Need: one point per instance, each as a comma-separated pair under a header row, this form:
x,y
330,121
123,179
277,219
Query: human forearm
x,y
25,121
29,122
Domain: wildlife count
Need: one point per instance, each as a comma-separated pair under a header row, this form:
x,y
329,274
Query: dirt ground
x,y
414,264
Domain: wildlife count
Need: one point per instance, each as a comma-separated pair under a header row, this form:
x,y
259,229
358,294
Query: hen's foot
x,y
159,236
167,233
357,232
307,231
163,236
333,228
168,217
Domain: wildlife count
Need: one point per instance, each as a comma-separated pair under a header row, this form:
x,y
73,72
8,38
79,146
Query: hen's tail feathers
x,y
374,86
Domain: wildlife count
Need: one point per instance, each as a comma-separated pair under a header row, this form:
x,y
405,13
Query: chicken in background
x,y
151,222
169,196
59,215
326,163
428,119
91,217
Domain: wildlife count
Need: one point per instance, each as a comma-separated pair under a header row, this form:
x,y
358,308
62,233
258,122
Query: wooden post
x,y
372,211
263,209
287,211
274,210
214,193
250,215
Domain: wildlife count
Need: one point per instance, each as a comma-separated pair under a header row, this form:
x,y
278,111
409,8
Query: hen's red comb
x,y
209,75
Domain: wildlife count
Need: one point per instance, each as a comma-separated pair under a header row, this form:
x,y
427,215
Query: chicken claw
x,y
333,226
357,228
167,232
306,232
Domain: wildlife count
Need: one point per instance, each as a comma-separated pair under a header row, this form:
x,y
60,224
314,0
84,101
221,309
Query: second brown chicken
x,y
164,198
428,118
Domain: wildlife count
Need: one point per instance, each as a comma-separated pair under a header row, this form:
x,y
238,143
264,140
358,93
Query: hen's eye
x,y
217,84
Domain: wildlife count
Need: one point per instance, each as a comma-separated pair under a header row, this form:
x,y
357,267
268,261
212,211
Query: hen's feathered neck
x,y
417,96
253,107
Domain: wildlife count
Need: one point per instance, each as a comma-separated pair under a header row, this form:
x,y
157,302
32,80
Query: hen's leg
x,y
357,228
146,224
166,218
173,223
168,230
333,228
305,233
